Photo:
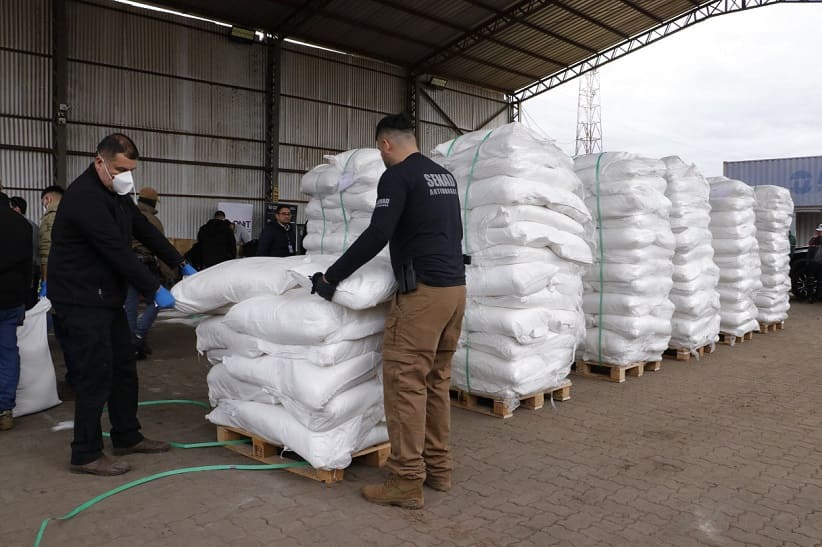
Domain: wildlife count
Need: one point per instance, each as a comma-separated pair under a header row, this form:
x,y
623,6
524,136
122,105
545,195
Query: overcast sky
x,y
739,86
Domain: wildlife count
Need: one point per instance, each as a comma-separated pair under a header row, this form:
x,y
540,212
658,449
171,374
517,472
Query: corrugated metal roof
x,y
499,44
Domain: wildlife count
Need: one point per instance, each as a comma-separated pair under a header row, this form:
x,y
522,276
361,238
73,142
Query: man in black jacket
x,y
15,283
91,264
277,238
215,243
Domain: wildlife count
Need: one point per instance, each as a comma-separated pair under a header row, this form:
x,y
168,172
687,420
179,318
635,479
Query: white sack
x,y
37,387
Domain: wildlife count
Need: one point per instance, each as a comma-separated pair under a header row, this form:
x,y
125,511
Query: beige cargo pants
x,y
421,335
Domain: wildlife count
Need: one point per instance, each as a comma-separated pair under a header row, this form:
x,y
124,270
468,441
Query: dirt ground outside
x,y
725,451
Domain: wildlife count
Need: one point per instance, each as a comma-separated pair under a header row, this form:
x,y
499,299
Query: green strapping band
x,y
465,244
448,153
322,237
345,221
225,467
601,267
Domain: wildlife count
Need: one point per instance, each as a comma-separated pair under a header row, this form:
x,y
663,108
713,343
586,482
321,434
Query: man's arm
x,y
391,198
45,241
101,230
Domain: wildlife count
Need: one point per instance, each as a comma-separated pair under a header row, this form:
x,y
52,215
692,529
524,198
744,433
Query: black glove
x,y
322,287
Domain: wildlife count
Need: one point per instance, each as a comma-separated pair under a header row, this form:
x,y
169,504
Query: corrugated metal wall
x,y
802,176
192,101
805,224
329,103
468,106
25,100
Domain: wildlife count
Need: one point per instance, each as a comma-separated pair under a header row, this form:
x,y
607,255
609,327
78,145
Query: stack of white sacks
x,y
343,193
289,366
627,309
774,216
736,252
524,230
695,297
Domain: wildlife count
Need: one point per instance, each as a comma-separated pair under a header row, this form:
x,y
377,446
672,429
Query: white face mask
x,y
122,183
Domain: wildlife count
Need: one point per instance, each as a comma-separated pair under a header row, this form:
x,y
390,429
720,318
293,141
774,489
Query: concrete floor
x,y
726,451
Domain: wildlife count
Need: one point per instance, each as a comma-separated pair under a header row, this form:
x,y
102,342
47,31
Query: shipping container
x,y
802,176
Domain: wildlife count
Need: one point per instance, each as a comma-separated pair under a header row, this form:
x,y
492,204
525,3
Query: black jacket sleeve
x,y
145,232
266,240
391,198
102,232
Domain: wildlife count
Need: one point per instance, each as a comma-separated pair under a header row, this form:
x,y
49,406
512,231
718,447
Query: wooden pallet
x,y
771,327
615,373
680,354
490,406
730,339
263,451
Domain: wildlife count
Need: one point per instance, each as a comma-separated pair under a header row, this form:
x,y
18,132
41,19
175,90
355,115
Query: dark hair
x,y
20,203
117,143
394,122
281,207
54,189
150,202
218,214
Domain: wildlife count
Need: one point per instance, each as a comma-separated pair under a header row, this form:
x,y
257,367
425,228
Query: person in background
x,y
50,200
15,283
241,233
139,325
278,237
815,265
418,213
20,206
215,243
91,265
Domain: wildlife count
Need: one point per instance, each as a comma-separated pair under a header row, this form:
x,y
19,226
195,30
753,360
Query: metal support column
x,y
59,94
272,118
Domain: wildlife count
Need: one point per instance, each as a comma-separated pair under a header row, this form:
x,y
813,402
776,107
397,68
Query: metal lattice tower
x,y
589,115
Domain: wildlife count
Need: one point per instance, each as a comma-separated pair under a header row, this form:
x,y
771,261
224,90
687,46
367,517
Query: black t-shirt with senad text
x,y
418,212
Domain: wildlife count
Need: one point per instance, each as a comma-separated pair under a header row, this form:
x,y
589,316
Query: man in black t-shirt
x,y
418,212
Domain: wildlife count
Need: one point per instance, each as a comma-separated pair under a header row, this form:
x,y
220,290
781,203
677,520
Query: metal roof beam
x,y
441,112
526,23
592,20
444,22
643,11
300,15
501,21
696,15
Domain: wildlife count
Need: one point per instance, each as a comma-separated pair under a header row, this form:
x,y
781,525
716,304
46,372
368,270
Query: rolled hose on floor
x,y
182,471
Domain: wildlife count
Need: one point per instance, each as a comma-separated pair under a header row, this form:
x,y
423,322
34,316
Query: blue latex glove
x,y
43,292
187,269
163,298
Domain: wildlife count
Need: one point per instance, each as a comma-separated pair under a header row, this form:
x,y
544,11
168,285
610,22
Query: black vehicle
x,y
803,282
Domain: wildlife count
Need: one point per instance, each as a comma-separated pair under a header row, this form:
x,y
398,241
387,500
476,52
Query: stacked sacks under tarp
x,y
774,216
290,367
343,193
523,222
736,252
627,309
695,297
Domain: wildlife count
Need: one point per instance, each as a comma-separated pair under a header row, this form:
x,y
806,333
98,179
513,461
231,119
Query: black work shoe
x,y
142,345
102,466
146,446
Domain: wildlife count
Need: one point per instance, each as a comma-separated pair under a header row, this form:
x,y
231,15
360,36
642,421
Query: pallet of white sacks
x,y
771,327
681,354
265,452
731,339
614,373
490,406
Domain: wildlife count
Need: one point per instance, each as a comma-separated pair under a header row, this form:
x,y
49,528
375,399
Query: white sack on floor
x,y
37,388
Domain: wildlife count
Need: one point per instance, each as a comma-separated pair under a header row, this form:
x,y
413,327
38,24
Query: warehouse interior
x,y
239,113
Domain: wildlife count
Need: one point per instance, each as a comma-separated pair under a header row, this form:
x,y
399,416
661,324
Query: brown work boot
x,y
103,466
146,446
396,491
441,483
6,420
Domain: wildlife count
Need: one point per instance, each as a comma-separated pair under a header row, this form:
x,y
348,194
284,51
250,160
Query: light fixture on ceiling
x,y
437,82
240,34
